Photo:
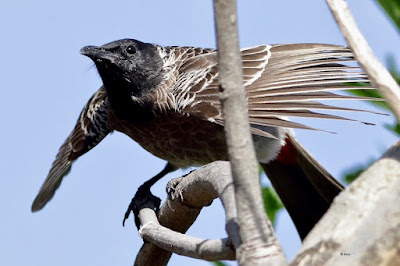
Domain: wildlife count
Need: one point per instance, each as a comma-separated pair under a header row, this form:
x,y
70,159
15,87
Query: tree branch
x,y
211,250
377,73
362,227
178,213
259,245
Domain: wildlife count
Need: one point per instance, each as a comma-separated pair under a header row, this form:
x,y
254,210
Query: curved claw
x,y
142,199
128,212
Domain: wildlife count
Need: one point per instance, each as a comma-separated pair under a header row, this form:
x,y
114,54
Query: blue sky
x,y
45,82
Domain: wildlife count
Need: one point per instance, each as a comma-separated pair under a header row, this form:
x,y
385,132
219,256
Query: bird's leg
x,y
144,195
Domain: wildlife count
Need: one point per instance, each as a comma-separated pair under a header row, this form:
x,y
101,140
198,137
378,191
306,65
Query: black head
x,y
127,66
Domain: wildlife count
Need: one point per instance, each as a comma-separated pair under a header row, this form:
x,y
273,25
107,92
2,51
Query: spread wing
x,y
280,81
89,130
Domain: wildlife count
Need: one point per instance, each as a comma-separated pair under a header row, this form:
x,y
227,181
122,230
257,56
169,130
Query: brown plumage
x,y
166,99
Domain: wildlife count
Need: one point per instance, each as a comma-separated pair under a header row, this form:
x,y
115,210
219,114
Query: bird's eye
x,y
131,49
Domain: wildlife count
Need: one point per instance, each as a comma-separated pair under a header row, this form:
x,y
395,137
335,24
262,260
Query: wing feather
x,y
280,81
89,130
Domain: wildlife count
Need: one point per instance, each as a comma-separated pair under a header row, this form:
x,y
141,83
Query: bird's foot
x,y
171,187
142,199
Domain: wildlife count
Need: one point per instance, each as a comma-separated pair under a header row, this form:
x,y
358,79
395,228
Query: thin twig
x,y
377,73
205,249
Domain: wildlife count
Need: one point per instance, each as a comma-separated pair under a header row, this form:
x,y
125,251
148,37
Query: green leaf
x,y
218,263
394,128
392,8
272,203
351,174
260,170
391,65
371,93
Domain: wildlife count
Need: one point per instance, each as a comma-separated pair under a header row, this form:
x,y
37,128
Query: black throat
x,y
128,107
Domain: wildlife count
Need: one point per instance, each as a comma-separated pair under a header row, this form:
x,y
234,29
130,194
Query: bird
x,y
166,99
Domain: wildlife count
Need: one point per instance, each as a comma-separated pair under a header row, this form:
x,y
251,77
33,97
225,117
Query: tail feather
x,y
304,186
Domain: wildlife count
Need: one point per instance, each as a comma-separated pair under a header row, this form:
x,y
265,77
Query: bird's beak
x,y
97,54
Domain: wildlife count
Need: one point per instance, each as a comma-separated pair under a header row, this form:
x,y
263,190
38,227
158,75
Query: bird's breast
x,y
180,140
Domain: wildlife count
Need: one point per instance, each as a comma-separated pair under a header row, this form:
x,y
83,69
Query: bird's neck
x,y
128,107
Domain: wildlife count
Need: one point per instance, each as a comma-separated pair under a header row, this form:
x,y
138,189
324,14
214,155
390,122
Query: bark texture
x,y
258,242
